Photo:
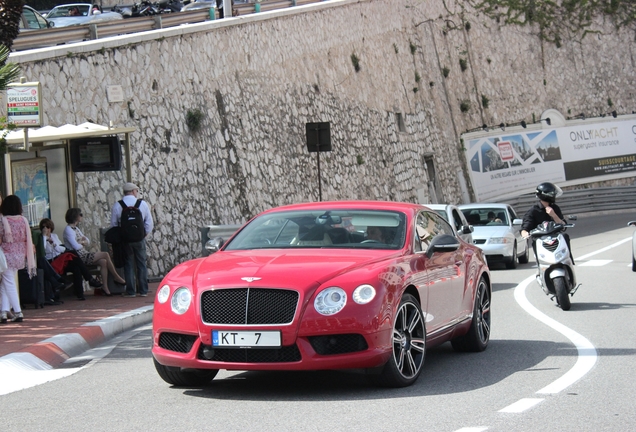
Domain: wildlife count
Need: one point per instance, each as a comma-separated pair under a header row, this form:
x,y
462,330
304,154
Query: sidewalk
x,y
51,335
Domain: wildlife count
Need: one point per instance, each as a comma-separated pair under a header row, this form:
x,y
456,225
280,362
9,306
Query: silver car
x,y
80,13
497,232
456,218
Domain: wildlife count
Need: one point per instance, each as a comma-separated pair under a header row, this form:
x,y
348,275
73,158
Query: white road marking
x,y
587,352
594,263
618,243
521,405
473,429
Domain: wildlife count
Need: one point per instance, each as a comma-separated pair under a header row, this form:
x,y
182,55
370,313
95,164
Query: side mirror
x,y
632,223
442,243
214,245
517,221
467,229
50,24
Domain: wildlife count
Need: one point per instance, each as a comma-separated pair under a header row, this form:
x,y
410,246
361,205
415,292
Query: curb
x,y
52,352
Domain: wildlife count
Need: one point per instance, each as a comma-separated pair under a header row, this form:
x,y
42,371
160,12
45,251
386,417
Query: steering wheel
x,y
370,241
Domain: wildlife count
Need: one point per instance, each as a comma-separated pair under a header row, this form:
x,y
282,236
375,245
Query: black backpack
x,y
131,223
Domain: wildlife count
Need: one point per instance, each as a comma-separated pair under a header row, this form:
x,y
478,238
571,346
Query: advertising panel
x,y
512,163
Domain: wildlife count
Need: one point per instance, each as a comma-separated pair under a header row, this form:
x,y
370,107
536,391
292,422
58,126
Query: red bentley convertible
x,y
327,285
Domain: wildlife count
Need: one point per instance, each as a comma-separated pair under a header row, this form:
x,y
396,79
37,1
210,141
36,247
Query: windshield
x,y
486,216
343,229
442,213
69,10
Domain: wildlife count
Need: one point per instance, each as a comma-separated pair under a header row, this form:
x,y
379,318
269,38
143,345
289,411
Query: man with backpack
x,y
132,216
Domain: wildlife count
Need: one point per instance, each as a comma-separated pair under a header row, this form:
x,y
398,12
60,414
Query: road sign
x,y
23,104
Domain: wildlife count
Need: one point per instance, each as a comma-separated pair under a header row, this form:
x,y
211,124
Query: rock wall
x,y
373,68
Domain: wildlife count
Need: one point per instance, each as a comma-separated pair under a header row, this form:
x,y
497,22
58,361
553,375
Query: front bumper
x,y
497,252
334,351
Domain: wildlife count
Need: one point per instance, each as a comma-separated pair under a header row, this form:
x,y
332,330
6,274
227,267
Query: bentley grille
x,y
246,306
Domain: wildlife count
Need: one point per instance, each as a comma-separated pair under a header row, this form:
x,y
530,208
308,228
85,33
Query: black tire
x,y
476,340
561,290
514,262
409,346
525,258
633,263
185,378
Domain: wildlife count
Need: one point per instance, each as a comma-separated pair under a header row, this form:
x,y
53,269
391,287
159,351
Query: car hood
x,y
485,232
301,269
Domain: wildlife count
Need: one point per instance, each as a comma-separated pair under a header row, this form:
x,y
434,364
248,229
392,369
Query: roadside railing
x,y
584,200
51,37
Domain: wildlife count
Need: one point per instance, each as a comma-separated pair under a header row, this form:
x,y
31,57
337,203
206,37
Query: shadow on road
x,y
445,372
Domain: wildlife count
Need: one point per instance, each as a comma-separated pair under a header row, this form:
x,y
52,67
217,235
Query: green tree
x,y
10,13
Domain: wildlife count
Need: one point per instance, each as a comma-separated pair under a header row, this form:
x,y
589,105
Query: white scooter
x,y
556,269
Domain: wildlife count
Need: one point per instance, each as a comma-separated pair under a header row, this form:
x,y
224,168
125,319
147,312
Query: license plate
x,y
245,339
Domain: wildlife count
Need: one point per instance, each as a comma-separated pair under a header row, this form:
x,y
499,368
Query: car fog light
x,y
208,352
330,301
364,294
181,301
163,294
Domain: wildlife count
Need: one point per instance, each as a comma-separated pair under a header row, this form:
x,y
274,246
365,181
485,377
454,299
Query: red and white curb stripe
x,y
52,352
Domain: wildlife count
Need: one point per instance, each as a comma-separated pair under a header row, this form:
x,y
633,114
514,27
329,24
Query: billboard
x,y
512,163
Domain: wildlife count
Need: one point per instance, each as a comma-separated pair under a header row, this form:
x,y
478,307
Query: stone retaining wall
x,y
259,79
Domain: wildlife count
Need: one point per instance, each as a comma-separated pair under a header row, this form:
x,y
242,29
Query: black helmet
x,y
548,192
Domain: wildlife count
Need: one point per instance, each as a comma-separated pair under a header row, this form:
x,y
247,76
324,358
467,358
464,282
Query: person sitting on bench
x,y
66,261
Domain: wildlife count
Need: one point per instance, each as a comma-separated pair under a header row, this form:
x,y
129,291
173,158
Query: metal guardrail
x,y
51,37
584,200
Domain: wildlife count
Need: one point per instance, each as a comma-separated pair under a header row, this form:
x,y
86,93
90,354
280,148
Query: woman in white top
x,y
75,240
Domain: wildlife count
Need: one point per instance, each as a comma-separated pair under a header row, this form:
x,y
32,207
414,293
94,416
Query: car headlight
x,y
498,240
163,294
330,301
363,294
181,300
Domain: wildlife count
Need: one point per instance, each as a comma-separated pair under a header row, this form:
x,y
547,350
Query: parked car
x,y
199,4
79,13
456,218
633,223
498,233
32,20
324,285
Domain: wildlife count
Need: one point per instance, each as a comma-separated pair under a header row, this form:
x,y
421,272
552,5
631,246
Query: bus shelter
x,y
40,165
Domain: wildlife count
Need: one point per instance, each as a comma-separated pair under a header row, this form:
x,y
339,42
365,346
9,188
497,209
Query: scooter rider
x,y
544,211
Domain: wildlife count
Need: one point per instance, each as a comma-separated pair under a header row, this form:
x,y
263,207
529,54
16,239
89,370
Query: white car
x,y
497,232
633,223
79,13
456,218
32,20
